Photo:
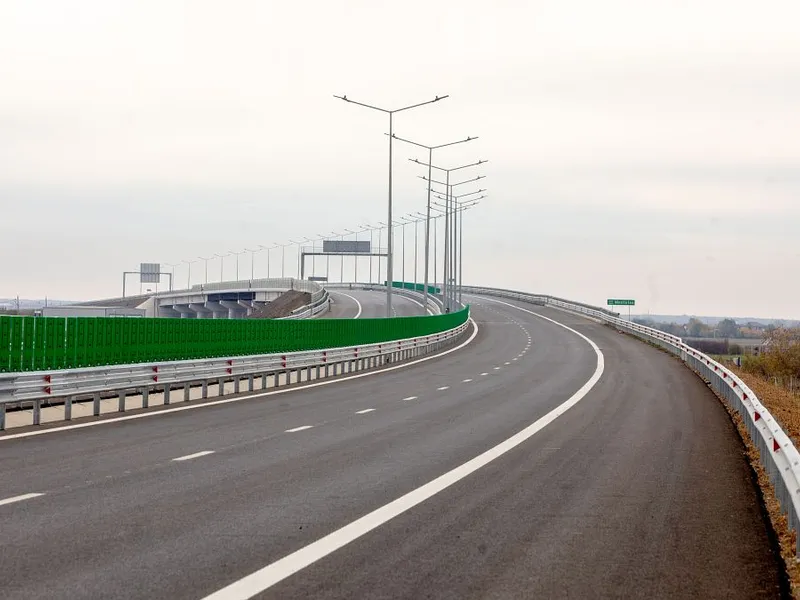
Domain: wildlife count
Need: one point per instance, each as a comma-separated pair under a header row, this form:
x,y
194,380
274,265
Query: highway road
x,y
569,471
364,304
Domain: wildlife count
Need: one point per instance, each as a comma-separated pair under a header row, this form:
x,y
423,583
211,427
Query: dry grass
x,y
783,405
786,408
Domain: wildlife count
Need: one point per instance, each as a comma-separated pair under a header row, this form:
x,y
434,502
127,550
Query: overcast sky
x,y
642,149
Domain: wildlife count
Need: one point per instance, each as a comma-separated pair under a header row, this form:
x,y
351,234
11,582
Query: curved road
x,y
613,498
364,304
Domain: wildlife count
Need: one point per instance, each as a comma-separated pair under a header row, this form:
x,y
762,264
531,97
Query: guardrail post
x,y
122,395
236,385
221,386
96,404
68,408
204,388
318,371
2,416
166,394
251,382
187,392
145,397
37,412
263,381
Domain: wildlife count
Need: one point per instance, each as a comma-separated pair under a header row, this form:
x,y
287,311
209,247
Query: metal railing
x,y
777,453
45,388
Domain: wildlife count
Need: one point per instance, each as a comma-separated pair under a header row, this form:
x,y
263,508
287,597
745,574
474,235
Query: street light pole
x,y
237,254
221,265
189,274
206,261
448,225
428,207
461,207
389,272
252,252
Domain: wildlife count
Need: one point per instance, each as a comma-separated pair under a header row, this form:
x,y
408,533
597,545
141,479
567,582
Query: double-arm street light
x,y
189,263
448,237
253,252
430,150
221,258
268,250
391,113
203,258
237,254
458,247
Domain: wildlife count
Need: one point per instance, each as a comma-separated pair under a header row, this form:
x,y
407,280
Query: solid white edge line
x,y
301,428
19,498
195,455
222,401
358,304
365,411
266,577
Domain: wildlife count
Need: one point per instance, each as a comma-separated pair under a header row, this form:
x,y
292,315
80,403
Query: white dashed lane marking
x,y
466,381
191,456
484,374
409,398
497,368
365,411
443,388
19,498
301,428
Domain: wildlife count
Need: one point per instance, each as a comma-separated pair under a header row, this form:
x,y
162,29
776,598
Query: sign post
x,y
622,302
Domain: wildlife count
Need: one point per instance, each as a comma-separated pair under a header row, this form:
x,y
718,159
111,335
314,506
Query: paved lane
x,y
365,304
611,499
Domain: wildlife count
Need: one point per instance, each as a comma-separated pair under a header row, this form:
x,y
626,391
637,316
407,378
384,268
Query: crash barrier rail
x,y
65,388
778,455
54,343
277,283
312,309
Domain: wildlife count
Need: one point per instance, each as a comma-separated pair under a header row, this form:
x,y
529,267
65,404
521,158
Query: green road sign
x,y
621,302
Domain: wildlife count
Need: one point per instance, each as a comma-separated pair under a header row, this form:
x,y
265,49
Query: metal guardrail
x,y
309,311
778,455
42,388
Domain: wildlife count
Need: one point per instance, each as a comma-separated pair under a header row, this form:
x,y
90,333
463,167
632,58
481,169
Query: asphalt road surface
x,y
614,497
363,304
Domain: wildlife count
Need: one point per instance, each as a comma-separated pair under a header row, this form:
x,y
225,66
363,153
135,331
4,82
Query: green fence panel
x,y
28,343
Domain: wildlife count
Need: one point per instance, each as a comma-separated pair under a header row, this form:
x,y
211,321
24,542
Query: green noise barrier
x,y
418,287
51,343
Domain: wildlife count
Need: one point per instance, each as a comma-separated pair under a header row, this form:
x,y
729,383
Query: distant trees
x,y
728,328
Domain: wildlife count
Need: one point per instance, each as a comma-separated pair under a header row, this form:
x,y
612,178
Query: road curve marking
x,y
19,498
301,428
353,298
191,456
267,576
234,399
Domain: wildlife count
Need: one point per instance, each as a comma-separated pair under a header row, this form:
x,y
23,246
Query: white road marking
x,y
365,411
430,312
515,359
508,363
19,498
466,381
191,456
301,428
483,374
409,398
353,298
497,368
285,390
268,576
443,388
